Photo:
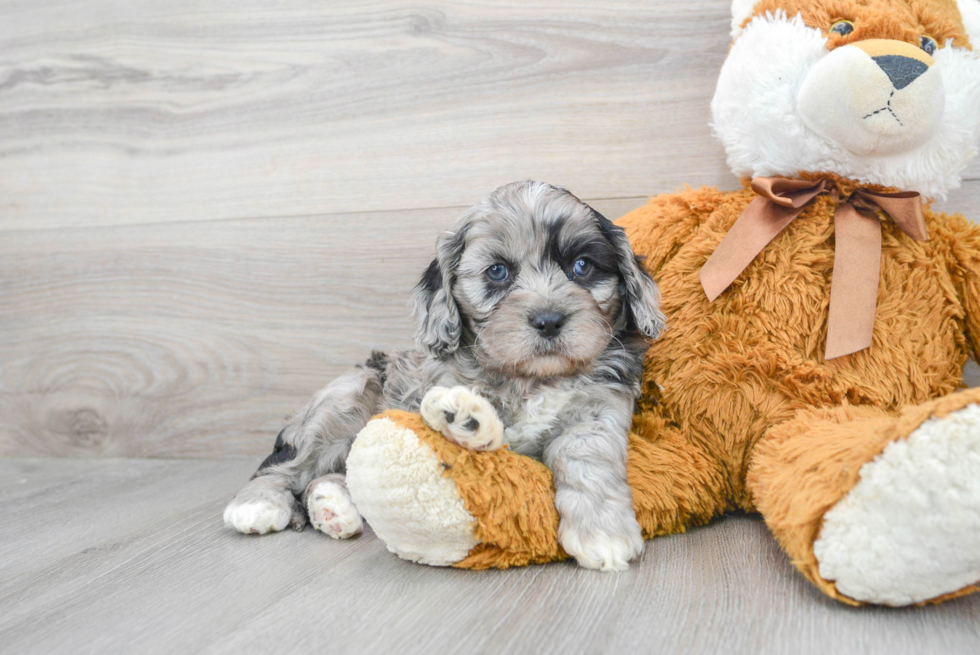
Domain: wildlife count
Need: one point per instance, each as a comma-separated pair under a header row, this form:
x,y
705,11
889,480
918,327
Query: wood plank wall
x,y
209,208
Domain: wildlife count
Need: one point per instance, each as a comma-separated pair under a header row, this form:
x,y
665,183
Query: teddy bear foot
x,y
909,531
433,501
398,485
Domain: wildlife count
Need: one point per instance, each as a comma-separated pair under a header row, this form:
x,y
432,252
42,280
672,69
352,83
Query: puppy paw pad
x,y
463,417
331,511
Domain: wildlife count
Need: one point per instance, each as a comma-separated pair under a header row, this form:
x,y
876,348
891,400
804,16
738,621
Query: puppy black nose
x,y
902,71
547,323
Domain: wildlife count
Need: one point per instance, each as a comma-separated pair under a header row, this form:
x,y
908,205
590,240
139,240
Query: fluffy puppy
x,y
533,320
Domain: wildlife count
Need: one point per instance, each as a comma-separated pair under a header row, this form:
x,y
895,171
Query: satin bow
x,y
857,256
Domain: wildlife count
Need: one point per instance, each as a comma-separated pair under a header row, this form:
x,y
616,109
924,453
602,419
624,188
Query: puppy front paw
x,y
331,509
264,505
601,550
463,417
257,516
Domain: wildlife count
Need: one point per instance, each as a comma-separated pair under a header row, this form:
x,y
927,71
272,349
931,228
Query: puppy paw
x,y
463,417
603,551
257,516
331,510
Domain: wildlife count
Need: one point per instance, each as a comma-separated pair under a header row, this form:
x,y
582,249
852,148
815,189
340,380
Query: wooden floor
x,y
210,208
130,556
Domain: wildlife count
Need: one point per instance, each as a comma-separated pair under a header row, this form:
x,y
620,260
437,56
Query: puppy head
x,y
535,283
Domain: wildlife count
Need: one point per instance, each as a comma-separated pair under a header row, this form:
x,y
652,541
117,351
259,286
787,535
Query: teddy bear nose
x,y
549,324
902,62
902,71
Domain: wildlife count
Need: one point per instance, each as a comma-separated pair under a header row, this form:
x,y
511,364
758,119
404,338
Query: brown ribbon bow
x,y
857,257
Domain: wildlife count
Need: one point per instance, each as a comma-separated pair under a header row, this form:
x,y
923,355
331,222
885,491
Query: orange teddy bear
x,y
818,324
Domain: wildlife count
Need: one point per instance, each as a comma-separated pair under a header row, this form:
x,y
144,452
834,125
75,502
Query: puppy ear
x,y
640,293
438,325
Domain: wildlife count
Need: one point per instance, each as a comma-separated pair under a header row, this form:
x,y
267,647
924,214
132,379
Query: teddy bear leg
x,y
874,507
434,502
675,483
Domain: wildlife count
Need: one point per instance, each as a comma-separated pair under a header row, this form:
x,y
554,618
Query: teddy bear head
x,y
883,92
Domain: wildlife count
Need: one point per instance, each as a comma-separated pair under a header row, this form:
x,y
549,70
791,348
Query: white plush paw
x,y
602,551
909,530
399,485
257,516
463,417
331,510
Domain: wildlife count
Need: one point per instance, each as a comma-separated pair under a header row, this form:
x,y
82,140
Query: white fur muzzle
x,y
851,101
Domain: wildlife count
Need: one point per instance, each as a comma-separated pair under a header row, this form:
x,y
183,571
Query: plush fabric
x,y
804,467
901,20
754,356
767,130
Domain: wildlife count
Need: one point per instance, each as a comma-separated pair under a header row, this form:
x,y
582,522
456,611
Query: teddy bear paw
x,y
331,509
909,530
400,487
463,417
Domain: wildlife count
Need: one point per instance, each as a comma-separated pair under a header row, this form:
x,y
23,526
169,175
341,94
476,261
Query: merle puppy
x,y
533,320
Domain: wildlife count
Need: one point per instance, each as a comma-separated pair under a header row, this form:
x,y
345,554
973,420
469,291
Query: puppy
x,y
533,321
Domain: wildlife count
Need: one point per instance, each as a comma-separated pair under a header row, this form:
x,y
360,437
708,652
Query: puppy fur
x,y
533,320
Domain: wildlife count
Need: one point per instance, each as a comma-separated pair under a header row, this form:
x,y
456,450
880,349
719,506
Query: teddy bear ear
x,y
742,9
970,12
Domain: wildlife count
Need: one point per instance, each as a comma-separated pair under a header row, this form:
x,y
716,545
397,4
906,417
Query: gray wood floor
x,y
116,555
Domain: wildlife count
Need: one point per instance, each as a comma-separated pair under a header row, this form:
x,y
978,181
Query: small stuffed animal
x,y
818,322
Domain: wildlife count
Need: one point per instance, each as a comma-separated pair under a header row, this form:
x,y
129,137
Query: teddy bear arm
x,y
675,483
658,229
961,238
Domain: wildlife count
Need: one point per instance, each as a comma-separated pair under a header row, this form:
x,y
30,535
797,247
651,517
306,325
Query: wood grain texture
x,y
196,339
966,199
130,556
138,111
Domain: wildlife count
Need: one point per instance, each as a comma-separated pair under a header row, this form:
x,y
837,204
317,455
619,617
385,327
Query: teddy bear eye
x,y
928,44
842,27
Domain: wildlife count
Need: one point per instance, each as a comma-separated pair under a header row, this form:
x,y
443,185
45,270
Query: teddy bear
x,y
818,322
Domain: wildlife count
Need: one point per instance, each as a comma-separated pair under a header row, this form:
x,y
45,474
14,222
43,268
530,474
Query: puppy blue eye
x,y
497,272
582,267
928,44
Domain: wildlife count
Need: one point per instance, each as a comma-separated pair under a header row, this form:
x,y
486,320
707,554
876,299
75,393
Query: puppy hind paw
x,y
463,417
600,550
331,509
